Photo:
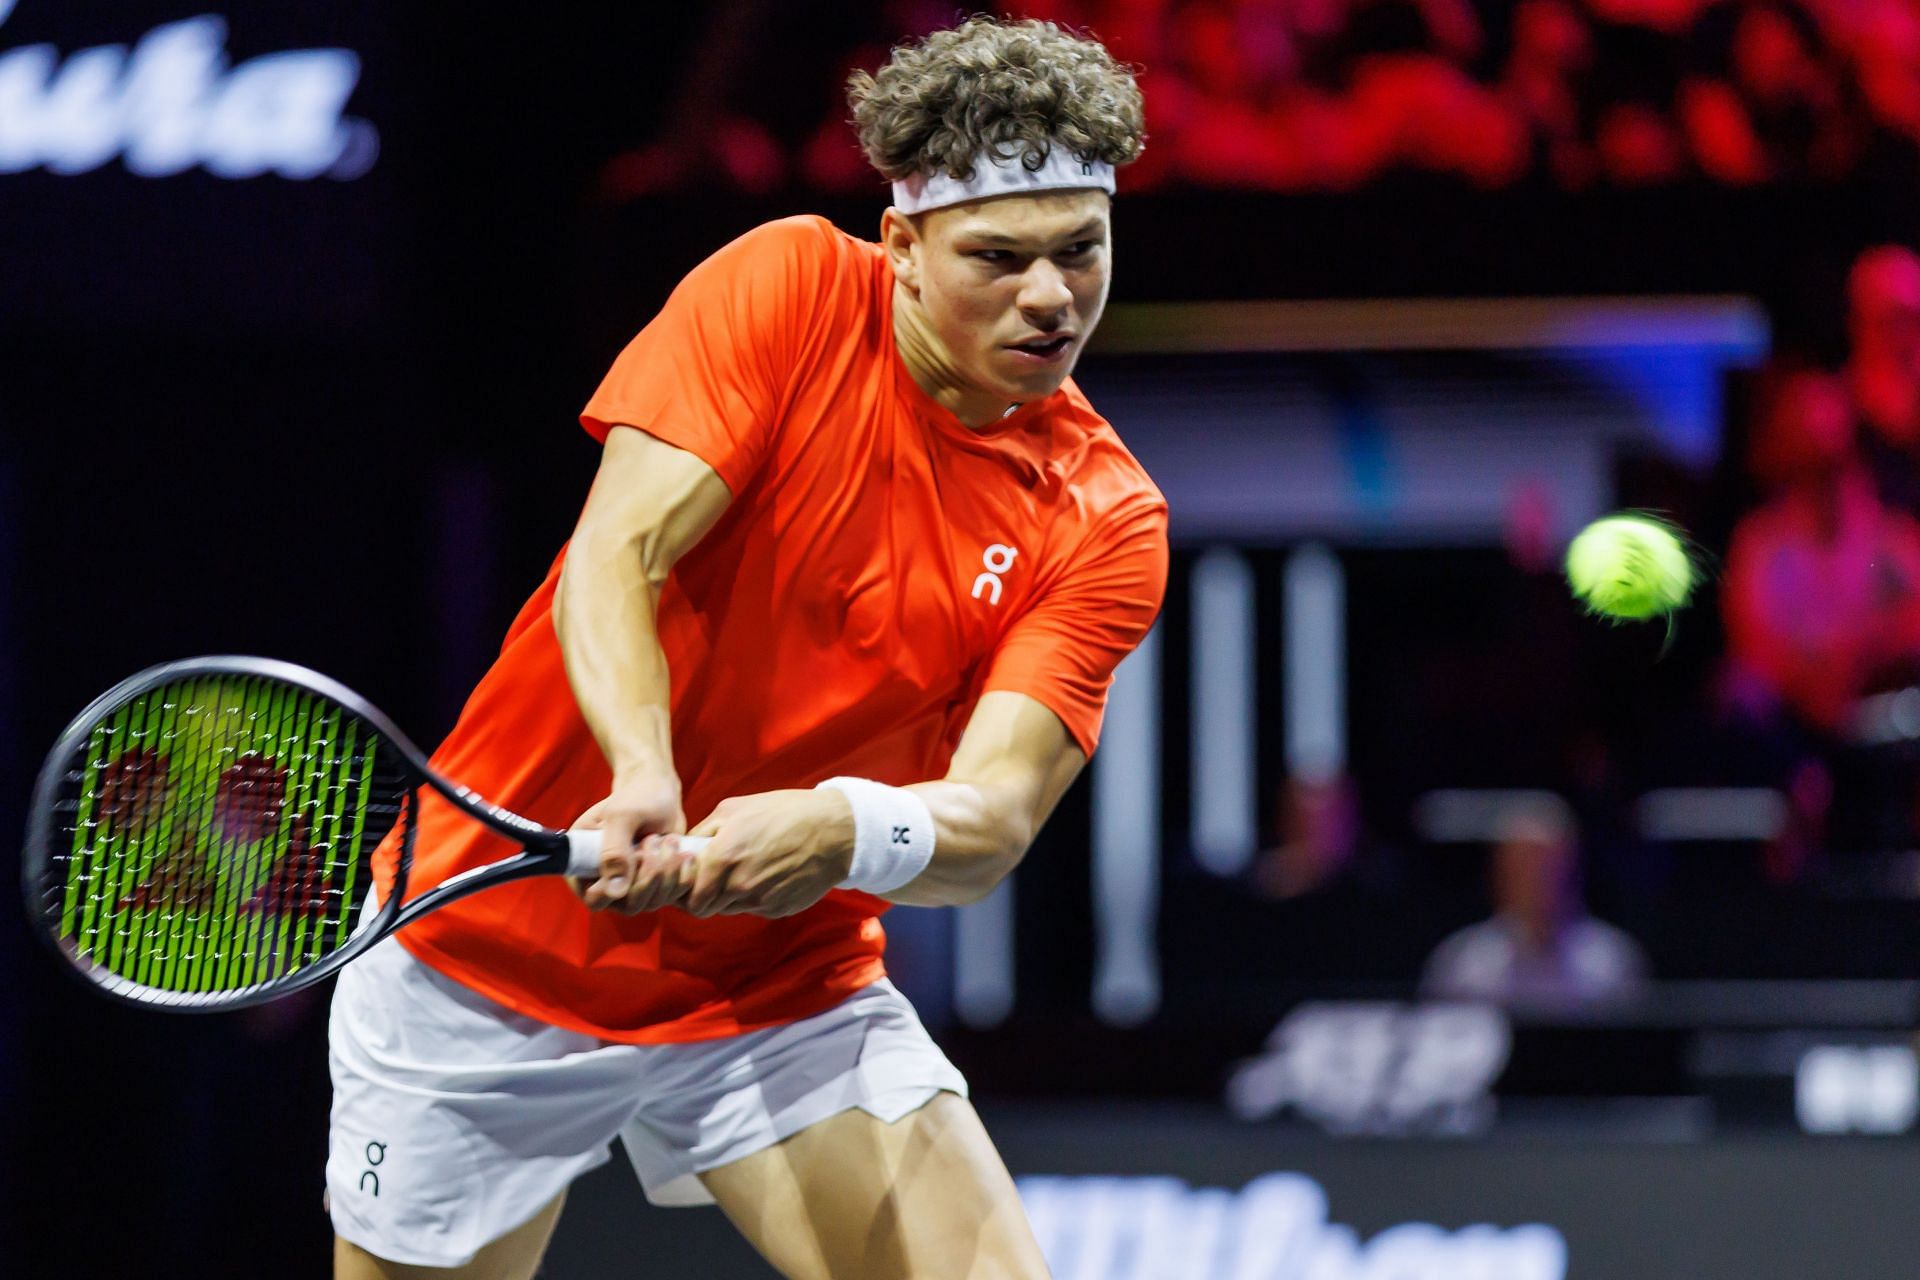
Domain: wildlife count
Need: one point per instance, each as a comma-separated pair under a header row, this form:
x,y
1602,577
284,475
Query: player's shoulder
x,y
1098,460
802,240
790,271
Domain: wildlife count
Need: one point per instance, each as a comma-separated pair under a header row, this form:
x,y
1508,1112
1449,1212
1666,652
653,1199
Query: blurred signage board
x,y
1844,1088
1275,1227
200,171
173,100
1367,1067
1108,1183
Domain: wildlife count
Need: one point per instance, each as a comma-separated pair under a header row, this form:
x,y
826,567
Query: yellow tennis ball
x,y
1629,566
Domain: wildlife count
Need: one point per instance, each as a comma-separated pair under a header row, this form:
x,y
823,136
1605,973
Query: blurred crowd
x,y
1821,591
1330,95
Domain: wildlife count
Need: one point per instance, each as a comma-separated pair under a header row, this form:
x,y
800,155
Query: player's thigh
x,y
926,1197
514,1256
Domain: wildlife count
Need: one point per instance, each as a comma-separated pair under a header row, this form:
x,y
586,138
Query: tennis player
x,y
849,589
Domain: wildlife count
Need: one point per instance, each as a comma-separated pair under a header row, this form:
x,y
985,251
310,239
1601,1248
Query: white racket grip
x,y
583,851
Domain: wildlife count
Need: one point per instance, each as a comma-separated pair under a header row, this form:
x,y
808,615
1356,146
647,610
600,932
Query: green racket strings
x,y
217,835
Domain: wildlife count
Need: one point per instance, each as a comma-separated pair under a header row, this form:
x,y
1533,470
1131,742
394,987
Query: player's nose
x,y
1044,295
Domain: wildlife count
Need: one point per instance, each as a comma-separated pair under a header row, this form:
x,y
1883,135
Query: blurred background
x,y
1408,923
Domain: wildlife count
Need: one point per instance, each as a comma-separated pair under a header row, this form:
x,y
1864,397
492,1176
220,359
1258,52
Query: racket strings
x,y
217,834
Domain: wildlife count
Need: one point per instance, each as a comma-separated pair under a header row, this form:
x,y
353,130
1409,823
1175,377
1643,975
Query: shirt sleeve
x,y
710,373
1063,651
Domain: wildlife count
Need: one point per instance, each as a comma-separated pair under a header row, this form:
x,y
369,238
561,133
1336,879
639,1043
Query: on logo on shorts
x,y
376,1154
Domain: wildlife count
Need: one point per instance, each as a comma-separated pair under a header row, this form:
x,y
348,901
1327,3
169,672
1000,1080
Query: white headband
x,y
995,176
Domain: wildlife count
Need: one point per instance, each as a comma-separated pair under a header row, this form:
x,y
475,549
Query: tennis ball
x,y
1629,566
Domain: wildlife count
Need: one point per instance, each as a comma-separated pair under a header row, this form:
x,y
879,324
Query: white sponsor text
x,y
173,101
1275,1228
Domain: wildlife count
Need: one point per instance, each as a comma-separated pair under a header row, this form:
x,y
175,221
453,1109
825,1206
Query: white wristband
x,y
892,834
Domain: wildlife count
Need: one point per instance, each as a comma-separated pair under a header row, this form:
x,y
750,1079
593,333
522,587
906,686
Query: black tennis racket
x,y
202,835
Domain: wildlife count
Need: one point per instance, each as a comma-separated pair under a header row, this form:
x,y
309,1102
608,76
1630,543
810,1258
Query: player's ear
x,y
900,237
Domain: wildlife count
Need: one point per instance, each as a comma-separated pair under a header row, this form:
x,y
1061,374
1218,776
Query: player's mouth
x,y
1048,350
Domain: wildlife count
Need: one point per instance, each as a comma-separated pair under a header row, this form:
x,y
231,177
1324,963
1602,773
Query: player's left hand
x,y
772,854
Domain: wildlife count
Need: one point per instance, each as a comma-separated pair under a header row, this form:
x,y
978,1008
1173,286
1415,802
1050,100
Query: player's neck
x,y
933,368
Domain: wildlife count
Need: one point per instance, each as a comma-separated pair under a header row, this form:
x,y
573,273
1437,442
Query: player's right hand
x,y
637,872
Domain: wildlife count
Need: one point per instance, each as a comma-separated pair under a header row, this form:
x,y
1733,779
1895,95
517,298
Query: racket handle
x,y
583,857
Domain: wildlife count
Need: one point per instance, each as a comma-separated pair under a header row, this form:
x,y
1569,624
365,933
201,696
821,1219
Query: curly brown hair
x,y
1004,88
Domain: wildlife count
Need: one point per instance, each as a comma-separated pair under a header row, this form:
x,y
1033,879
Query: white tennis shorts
x,y
455,1120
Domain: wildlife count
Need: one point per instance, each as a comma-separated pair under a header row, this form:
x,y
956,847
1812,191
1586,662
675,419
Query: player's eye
x,y
1080,250
991,255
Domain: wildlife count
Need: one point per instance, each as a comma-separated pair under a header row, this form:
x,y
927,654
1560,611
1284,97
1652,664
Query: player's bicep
x,y
652,497
1017,749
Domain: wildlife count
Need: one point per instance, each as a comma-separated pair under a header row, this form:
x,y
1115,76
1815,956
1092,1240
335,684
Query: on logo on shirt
x,y
998,558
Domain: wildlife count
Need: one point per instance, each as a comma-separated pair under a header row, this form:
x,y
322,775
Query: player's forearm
x,y
604,615
980,834
1012,766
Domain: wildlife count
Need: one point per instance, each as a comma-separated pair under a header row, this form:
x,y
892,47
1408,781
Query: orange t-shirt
x,y
880,567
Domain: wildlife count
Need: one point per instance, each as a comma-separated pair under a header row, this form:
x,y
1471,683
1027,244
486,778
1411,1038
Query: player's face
x,y
1012,287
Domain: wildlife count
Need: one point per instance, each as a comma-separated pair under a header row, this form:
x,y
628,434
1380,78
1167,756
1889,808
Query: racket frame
x,y
543,850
